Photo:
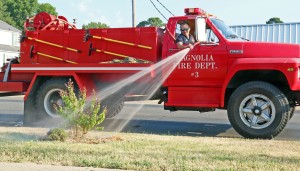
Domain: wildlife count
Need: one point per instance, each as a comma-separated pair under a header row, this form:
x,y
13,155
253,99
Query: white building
x,y
278,32
9,42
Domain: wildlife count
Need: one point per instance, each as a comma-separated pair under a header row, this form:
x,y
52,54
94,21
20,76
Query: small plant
x,y
57,134
81,115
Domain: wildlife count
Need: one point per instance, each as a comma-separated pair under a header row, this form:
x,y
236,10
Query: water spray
x,y
165,67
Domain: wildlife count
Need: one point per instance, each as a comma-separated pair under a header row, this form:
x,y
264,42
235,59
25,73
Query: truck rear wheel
x,y
48,96
258,110
114,105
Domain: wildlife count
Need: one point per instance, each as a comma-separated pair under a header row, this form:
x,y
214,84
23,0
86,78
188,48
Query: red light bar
x,y
194,11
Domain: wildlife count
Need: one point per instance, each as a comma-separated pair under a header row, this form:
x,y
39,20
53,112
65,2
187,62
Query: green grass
x,y
154,152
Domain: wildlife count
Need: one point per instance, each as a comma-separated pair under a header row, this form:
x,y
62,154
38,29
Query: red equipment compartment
x,y
194,96
53,46
147,36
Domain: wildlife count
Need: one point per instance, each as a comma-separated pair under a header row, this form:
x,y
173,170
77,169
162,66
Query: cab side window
x,y
211,36
191,24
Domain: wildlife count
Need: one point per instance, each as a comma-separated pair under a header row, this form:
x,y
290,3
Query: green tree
x,y
143,24
151,22
274,20
15,12
95,25
46,7
4,16
19,10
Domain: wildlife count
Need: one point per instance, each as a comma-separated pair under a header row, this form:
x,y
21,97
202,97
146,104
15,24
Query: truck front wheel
x,y
291,112
258,110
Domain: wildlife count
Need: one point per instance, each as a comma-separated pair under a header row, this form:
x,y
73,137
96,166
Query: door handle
x,y
209,44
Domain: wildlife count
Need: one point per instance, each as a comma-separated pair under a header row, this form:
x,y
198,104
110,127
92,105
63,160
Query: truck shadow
x,y
5,94
171,128
11,120
17,136
146,127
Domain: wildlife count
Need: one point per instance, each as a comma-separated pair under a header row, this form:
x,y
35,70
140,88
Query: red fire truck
x,y
258,83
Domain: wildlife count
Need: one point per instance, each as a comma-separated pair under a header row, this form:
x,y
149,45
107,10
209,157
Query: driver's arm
x,y
180,45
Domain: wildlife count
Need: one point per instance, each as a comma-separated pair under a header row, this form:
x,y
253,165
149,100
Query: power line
x,y
158,10
165,8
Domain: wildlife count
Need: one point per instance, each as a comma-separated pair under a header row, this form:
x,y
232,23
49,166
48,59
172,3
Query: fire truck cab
x,y
257,82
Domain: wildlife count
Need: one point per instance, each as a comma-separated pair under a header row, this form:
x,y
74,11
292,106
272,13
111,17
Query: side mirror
x,y
200,29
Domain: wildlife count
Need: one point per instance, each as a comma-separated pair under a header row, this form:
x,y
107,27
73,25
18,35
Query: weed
x,y
81,115
57,134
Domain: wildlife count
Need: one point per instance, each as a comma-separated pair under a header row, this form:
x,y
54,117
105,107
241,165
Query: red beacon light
x,y
194,11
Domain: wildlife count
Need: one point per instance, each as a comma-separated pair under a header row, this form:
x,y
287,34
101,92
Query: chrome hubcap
x,y
257,111
52,100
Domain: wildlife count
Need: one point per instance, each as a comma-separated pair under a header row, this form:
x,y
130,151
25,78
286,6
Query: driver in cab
x,y
185,39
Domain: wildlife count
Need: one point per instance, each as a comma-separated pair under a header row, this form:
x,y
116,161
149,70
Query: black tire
x,y
258,110
291,112
114,104
47,96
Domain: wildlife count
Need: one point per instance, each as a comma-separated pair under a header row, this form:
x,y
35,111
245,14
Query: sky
x,y
118,13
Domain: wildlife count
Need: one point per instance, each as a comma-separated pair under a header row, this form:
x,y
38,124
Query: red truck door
x,y
198,79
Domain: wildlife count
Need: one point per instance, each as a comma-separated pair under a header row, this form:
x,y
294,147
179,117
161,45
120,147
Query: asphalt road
x,y
151,118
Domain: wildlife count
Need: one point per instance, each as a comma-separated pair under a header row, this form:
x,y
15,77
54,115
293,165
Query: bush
x,y
81,115
57,134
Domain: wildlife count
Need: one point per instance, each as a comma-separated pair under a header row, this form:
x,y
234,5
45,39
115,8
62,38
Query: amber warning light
x,y
193,11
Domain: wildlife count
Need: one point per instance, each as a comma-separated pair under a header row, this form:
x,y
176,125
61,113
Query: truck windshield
x,y
226,31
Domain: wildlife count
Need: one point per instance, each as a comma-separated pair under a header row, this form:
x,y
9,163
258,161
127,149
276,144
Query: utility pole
x,y
133,13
